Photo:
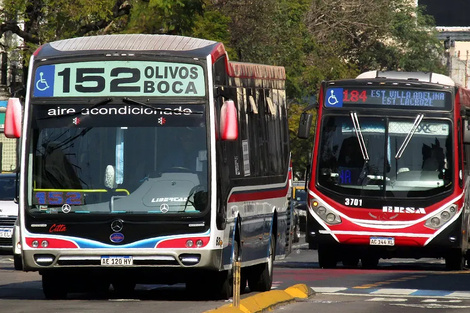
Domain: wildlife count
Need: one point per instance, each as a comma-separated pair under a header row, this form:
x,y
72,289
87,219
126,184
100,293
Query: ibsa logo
x,y
116,237
403,209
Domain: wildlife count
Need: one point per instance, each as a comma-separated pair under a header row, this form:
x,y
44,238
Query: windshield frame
x,y
157,102
384,192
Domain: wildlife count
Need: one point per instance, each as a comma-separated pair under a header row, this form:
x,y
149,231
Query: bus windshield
x,y
407,157
106,160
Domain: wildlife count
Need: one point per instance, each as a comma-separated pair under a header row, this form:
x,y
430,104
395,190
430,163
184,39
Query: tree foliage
x,y
315,40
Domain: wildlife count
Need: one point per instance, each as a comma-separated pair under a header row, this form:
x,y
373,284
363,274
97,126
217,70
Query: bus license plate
x,y
116,260
6,232
382,241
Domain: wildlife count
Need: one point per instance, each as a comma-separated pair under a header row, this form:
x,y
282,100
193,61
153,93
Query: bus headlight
x,y
437,220
325,214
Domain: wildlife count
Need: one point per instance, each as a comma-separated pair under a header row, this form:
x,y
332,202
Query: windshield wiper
x,y
410,134
360,138
132,101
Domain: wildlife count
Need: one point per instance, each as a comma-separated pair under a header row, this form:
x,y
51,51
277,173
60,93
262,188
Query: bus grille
x,y
7,221
6,242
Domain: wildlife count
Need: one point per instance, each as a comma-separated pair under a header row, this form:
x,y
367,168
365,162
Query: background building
x,y
453,23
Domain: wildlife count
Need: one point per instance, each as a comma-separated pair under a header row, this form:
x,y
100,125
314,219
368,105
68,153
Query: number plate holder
x,y
116,260
382,241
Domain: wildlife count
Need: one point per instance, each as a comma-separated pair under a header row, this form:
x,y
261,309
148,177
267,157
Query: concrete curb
x,y
266,300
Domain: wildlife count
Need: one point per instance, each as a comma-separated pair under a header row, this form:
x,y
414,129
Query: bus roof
x,y
163,45
427,77
130,42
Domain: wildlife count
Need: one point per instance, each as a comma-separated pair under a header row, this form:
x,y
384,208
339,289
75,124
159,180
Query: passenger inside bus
x,y
184,152
433,161
350,154
433,157
350,162
58,172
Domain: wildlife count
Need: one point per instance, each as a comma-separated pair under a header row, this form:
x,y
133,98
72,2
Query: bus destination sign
x,y
374,97
119,78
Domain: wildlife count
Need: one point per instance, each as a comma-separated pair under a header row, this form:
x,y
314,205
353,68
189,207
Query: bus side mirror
x,y
228,121
13,117
304,125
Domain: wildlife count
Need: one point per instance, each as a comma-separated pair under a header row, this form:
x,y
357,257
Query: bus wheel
x,y
455,260
123,288
99,289
217,284
223,281
54,286
18,262
326,257
350,261
369,261
260,277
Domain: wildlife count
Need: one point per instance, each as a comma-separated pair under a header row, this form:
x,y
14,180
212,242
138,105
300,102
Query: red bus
x,y
388,173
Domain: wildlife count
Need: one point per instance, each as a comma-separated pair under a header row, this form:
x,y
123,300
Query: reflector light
x,y
183,243
51,243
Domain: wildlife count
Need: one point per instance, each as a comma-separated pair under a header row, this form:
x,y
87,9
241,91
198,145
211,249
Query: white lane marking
x,y
394,291
387,299
328,289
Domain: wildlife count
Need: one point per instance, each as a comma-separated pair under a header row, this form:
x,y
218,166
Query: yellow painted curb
x,y
265,300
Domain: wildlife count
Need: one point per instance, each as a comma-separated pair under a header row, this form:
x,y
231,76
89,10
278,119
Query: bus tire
x,y
54,286
350,261
261,276
123,288
18,262
223,281
455,260
369,262
327,257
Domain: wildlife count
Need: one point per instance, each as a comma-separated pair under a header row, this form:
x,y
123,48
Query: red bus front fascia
x,y
356,229
414,234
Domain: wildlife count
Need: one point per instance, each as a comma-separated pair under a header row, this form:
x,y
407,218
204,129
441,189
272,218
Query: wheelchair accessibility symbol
x,y
41,84
334,98
44,81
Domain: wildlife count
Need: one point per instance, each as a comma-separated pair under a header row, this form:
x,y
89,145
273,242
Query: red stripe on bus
x,y
259,195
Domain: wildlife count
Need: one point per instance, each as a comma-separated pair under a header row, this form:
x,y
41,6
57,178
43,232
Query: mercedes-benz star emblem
x,y
66,208
164,208
117,225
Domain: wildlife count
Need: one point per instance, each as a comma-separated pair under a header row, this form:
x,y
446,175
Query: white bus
x,y
150,159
